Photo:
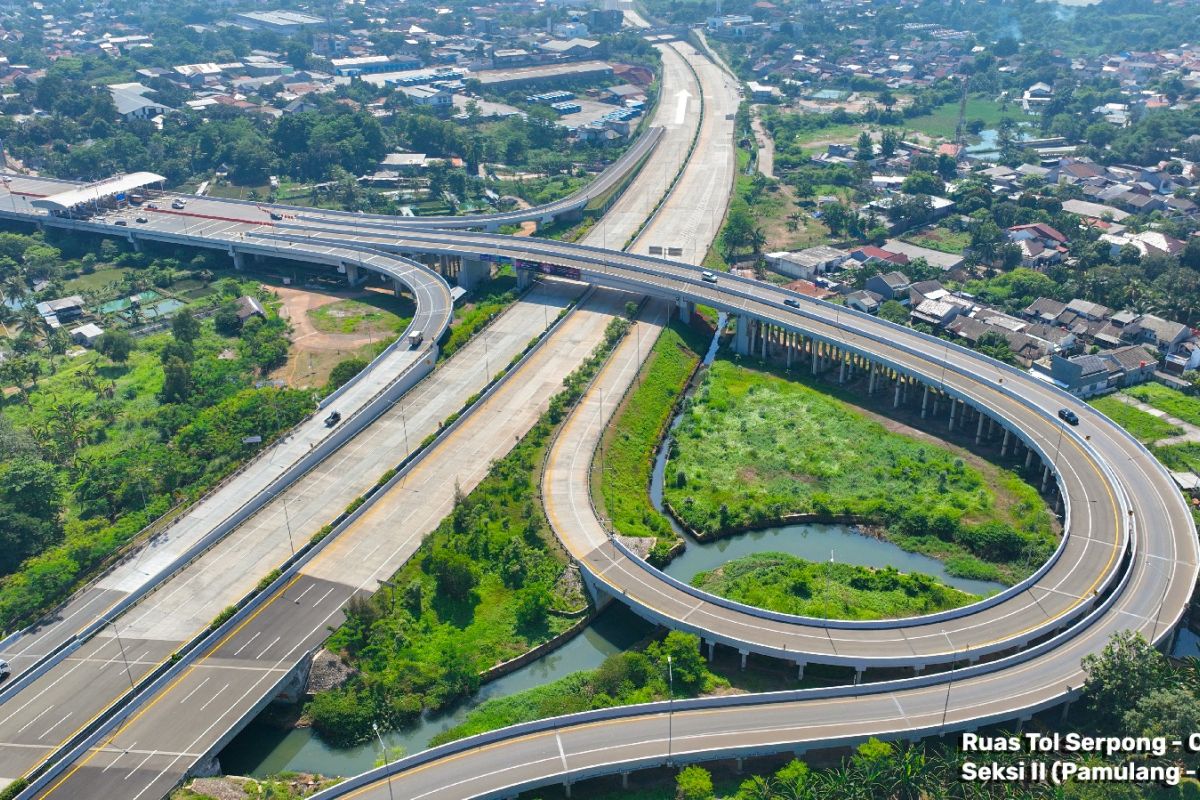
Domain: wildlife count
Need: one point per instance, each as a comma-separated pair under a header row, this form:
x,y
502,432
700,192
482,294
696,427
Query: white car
x,y
5,669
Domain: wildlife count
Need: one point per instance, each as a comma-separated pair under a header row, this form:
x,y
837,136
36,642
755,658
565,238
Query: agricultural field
x,y
942,239
942,122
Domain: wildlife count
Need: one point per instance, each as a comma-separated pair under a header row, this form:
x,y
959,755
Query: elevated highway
x,y
1129,560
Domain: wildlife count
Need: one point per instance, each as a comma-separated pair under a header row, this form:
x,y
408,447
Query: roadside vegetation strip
x,y
625,459
791,585
1175,403
1144,427
481,589
626,678
755,448
479,310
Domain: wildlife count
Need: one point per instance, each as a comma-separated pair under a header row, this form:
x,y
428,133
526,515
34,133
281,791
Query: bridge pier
x,y
858,674
1004,445
524,279
352,275
625,780
239,259
1028,457
712,647
979,429
896,399
953,408
743,654
1045,476
473,272
800,665
925,401
685,309
741,337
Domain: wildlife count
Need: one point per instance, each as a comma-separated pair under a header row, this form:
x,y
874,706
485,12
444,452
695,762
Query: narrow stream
x,y
264,749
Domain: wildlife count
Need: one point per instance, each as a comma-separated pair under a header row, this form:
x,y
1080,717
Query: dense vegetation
x,y
627,456
782,582
1147,428
633,676
754,447
96,447
481,589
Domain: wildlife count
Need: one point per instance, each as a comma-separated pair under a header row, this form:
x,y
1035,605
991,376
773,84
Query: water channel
x,y
264,749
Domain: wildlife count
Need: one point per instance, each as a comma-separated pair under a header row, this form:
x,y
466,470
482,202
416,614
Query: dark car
x,y
1068,416
121,222
275,215
791,301
333,419
142,220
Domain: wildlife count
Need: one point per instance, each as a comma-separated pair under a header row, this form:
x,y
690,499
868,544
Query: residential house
x,y
865,301
87,335
807,262
1040,244
1089,375
890,286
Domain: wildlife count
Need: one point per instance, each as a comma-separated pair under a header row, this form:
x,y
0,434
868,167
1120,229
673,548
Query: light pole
x,y
383,753
950,683
670,707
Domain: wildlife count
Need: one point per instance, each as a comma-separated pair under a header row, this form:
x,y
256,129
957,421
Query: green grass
x,y
1180,457
942,122
791,585
627,456
1146,428
947,241
375,313
754,448
1175,403
96,281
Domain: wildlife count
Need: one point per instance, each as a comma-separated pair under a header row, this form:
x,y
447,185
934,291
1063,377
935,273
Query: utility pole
x,y
383,753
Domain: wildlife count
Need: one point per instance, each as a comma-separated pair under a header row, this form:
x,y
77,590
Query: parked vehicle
x,y
1068,416
333,419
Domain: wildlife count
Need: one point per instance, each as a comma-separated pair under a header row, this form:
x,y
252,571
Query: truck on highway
x,y
414,339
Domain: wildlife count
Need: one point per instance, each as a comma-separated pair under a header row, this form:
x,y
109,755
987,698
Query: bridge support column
x,y
764,330
858,673
473,272
524,279
918,669
788,338
842,372
352,276
685,309
1028,457
239,259
1004,444
979,429
741,338
896,398
1045,476
624,780
953,408
397,287
925,401
711,645
800,670
738,766
743,654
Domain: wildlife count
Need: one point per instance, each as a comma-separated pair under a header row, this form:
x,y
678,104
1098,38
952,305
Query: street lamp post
x,y
383,753
670,707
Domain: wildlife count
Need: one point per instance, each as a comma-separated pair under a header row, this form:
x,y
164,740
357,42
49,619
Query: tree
x,y
1127,670
533,607
923,183
344,371
693,783
740,230
995,345
888,143
177,380
117,345
893,311
185,327
454,573
226,319
865,150
688,669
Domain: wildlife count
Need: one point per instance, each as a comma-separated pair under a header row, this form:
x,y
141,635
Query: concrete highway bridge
x,y
1128,558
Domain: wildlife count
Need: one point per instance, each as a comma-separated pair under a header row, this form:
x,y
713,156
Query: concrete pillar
x,y
815,347
1066,708
979,429
842,372
953,408
741,337
739,765
787,349
352,276
765,330
871,381
712,646
918,669
137,244
398,287
567,787
1028,457
524,279
239,259
743,654
624,780
858,673
472,272
685,309
800,670
896,399
1045,476
925,401
1004,444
